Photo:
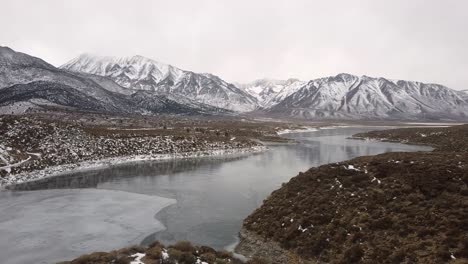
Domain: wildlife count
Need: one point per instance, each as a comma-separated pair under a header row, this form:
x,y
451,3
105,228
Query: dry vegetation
x,y
182,252
389,208
452,139
34,142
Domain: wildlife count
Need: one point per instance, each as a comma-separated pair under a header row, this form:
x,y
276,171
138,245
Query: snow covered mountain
x,y
465,94
140,73
137,85
269,91
27,82
349,96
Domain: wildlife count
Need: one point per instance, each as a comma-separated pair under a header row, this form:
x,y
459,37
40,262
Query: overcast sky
x,y
243,40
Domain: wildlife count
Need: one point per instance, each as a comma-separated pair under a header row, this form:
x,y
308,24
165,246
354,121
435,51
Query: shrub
x,y
353,254
224,254
184,246
208,257
174,253
257,260
154,252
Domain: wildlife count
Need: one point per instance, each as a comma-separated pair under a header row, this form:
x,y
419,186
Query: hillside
x,y
29,84
448,139
393,207
347,96
182,252
141,73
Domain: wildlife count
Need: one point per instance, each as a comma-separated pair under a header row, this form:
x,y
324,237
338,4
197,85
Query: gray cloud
x,y
245,39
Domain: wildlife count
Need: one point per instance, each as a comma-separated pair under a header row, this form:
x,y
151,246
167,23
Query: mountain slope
x,y
465,94
42,93
140,73
349,96
20,68
269,92
29,82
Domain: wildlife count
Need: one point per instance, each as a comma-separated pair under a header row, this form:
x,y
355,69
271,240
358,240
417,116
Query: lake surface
x,y
214,195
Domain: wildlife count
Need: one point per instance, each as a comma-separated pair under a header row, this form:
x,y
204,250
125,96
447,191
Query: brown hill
x,y
389,208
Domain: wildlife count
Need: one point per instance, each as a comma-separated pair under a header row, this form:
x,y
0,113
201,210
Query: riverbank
x,y
180,252
391,208
450,139
59,170
32,148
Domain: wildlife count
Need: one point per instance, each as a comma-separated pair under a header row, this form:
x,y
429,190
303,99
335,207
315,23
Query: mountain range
x,y
138,85
28,82
140,73
347,96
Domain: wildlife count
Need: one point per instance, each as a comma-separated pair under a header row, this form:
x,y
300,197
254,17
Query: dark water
x,y
214,194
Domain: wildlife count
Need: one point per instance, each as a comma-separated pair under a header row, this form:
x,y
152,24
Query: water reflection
x,y
92,178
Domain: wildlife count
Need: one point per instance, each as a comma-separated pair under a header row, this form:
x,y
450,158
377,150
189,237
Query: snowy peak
x,y
349,96
141,73
29,84
131,72
465,94
270,91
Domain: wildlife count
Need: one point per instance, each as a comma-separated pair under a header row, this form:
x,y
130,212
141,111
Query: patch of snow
x,y
375,179
298,130
96,164
138,257
351,167
164,254
199,261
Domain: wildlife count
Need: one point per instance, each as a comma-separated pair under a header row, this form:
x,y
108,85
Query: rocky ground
x,y
33,143
389,208
182,252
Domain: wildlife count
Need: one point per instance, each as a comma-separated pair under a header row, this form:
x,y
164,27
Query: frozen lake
x,y
207,198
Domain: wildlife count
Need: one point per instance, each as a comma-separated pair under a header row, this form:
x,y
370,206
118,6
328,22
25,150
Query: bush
x,y
184,246
154,252
257,260
174,253
208,257
353,254
224,254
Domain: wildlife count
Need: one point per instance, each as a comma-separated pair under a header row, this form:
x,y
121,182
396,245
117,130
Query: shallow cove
x,y
215,194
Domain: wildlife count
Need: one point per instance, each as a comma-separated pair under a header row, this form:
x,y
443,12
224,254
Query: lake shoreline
x,y
61,170
364,197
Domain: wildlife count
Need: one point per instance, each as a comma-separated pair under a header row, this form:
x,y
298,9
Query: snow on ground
x,y
298,130
56,147
69,223
96,164
164,254
16,108
429,124
138,257
199,261
333,127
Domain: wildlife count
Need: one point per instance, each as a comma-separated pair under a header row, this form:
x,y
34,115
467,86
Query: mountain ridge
x,y
27,83
157,87
141,73
347,96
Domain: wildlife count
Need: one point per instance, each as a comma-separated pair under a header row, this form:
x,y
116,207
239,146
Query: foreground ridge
x,y
393,207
